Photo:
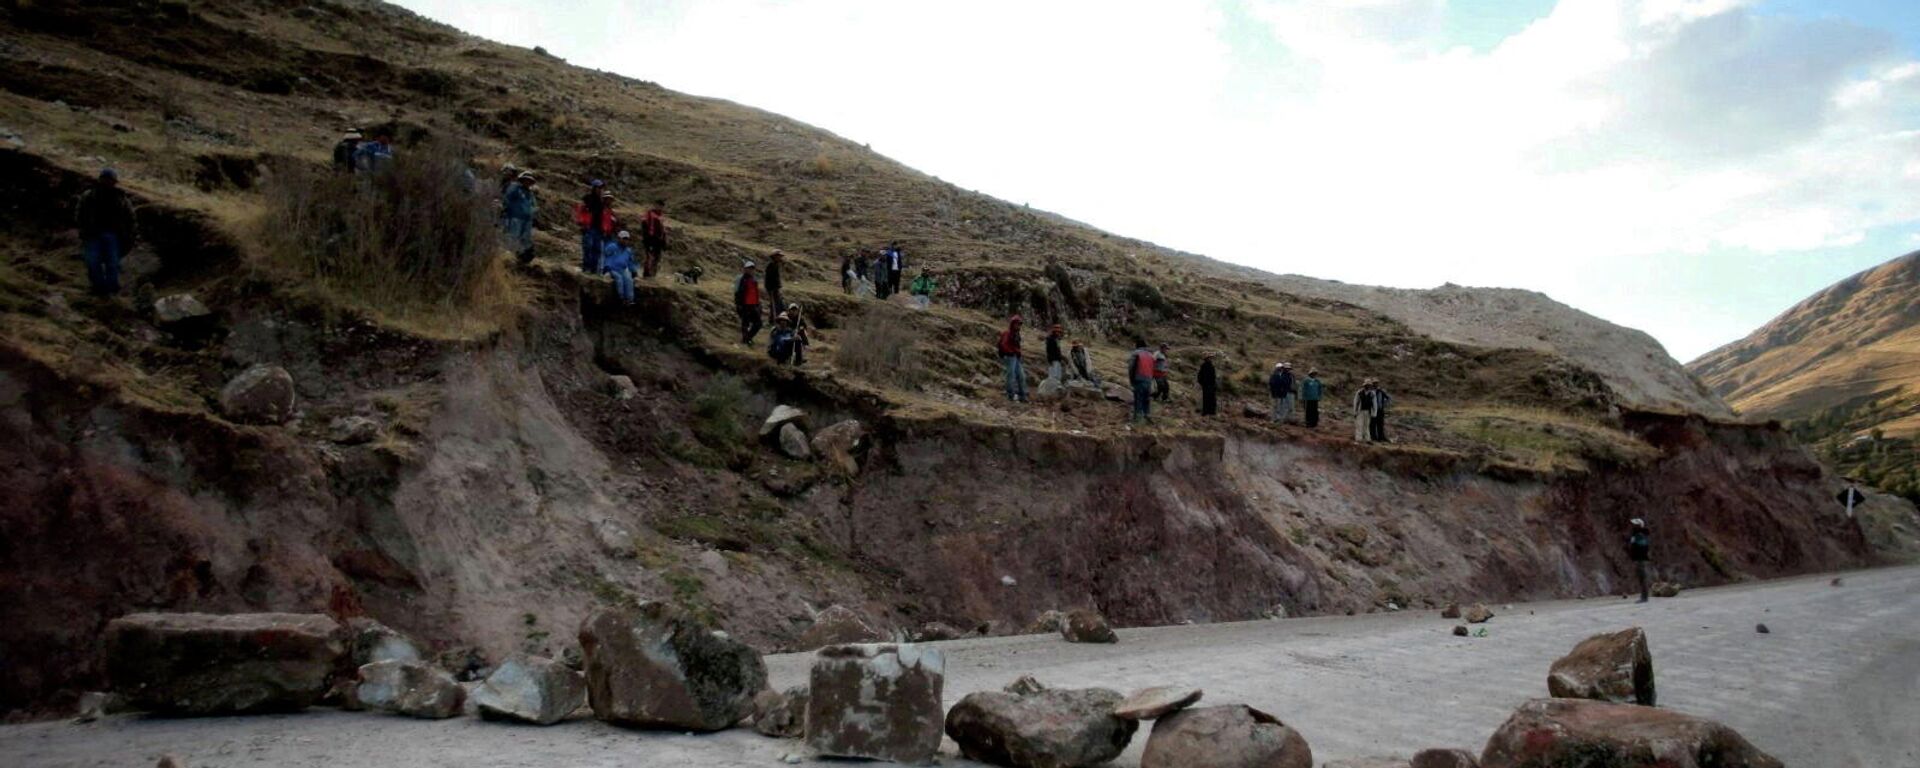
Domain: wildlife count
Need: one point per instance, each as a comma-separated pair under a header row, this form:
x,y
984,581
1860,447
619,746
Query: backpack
x,y
782,347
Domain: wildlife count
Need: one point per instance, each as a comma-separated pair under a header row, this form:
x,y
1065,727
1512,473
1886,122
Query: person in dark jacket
x,y
1209,387
797,320
343,151
373,156
104,216
1009,350
896,265
1280,386
1363,404
1082,363
616,259
1056,357
746,302
592,218
847,272
517,208
1311,390
1377,425
653,238
775,281
882,287
1640,550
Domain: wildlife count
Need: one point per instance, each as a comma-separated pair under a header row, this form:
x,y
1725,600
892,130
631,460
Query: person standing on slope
x,y
1311,391
344,150
1209,382
653,238
517,207
373,156
1009,349
1160,365
1082,363
878,269
1280,385
1640,550
616,259
896,265
1363,402
590,215
1140,374
104,216
1056,357
746,303
1377,425
846,273
775,281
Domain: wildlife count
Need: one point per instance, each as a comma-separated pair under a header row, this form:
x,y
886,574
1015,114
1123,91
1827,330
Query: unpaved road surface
x,y
1835,685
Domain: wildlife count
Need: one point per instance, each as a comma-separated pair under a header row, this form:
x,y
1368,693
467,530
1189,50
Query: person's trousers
x,y
1209,401
1361,433
1283,409
650,259
1056,371
749,322
519,235
1646,584
623,285
1313,412
102,254
1016,378
893,281
1086,374
590,251
1377,428
779,304
1142,399
1161,391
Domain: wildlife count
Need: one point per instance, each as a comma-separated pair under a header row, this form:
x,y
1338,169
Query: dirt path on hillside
x,y
1836,684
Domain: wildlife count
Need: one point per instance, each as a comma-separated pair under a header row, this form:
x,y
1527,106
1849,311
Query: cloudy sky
x,y
1687,167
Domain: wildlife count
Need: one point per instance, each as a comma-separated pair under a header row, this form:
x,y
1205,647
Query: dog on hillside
x,y
689,276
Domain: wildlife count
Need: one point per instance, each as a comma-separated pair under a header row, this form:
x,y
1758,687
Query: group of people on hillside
x,y
878,273
1148,378
356,154
607,245
787,344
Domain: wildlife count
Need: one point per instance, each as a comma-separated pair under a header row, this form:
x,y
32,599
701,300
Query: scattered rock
x,y
793,443
169,761
622,388
1585,732
1046,624
1251,411
1460,630
1049,389
466,663
94,705
262,394
531,689
1085,626
1115,393
1665,589
1445,758
411,688
1762,629
1367,762
353,430
781,416
207,664
1478,614
1452,611
654,666
840,445
840,625
180,309
934,631
878,701
1837,582
369,641
1057,728
1234,736
1610,667
1151,703
781,715
614,539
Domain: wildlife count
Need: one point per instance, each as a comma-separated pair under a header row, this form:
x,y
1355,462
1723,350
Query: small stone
x,y
1666,589
169,761
935,631
179,308
94,705
1085,626
1452,611
782,715
353,430
1156,702
1837,581
1762,629
622,388
262,394
1460,630
1478,614
614,539
1251,411
1445,758
1025,685
1367,762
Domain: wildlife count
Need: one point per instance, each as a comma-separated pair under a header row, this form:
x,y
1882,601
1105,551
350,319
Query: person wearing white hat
x,y
1640,549
616,259
1364,403
1280,385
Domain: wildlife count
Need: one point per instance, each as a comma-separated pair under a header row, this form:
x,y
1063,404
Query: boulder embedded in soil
x,y
653,666
782,715
1445,758
411,688
1234,736
1084,626
840,625
614,539
1615,667
1551,732
839,445
1452,611
353,430
876,701
1156,702
793,443
1251,411
1059,728
262,394
180,308
1479,614
622,387
781,416
94,705
531,689
208,664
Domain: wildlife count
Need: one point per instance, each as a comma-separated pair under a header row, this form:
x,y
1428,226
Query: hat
x,y
1286,365
1638,523
109,174
352,134
624,234
1313,371
1016,320
527,175
747,265
596,183
1058,327
1278,366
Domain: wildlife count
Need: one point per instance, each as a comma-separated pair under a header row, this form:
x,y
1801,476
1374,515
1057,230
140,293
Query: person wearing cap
x,y
343,151
1363,405
1311,390
1209,381
1082,363
896,265
746,303
1141,366
1640,550
104,216
1056,357
374,156
590,215
617,260
797,320
653,238
775,281
1160,365
517,208
1280,386
1009,349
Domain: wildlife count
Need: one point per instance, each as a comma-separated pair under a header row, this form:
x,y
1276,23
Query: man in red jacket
x,y
1010,359
746,301
653,238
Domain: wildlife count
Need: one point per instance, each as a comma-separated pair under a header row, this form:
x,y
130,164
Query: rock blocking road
x,y
1836,684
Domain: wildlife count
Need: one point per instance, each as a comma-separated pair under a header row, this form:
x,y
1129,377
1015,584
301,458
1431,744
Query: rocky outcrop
x,y
652,666
1609,667
878,702
411,688
208,664
531,689
840,625
1058,728
1224,737
782,714
1085,626
1547,732
1156,702
262,394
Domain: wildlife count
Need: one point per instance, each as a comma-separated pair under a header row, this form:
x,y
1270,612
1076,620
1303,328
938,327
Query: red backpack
x,y
1142,365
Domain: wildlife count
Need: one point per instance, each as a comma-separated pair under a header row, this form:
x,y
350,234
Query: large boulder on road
x,y
840,625
530,689
208,664
1055,728
411,688
653,666
1234,736
876,701
1610,667
1085,626
369,641
262,394
1552,732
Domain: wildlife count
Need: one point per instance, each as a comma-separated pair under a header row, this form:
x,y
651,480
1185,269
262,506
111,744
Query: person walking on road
x,y
1281,386
1160,365
653,238
1009,348
1056,357
104,216
1140,374
1209,382
1640,549
1311,391
746,303
517,207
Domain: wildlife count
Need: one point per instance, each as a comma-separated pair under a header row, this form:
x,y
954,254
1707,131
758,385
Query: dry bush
x,y
417,239
879,346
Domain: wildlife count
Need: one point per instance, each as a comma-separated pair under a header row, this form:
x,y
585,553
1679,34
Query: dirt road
x,y
1835,685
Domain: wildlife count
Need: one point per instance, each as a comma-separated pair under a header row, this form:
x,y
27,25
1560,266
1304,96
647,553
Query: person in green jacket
x,y
921,289
1310,392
